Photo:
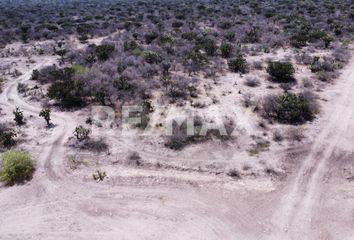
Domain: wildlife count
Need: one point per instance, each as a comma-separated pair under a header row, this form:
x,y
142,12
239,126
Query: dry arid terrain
x,y
177,120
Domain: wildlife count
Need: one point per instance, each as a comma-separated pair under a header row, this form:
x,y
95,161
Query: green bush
x,y
226,49
69,92
130,45
81,133
238,64
7,136
122,83
208,45
17,166
79,69
290,108
166,38
151,57
104,51
282,72
151,36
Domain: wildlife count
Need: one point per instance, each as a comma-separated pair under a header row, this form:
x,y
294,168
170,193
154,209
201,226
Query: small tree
x,y
35,74
100,96
61,53
238,64
17,166
45,113
81,133
19,119
282,72
226,49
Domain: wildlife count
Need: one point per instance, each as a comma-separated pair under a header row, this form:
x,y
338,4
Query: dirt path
x,y
297,208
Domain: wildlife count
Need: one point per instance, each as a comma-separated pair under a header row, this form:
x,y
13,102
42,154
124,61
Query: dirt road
x,y
54,205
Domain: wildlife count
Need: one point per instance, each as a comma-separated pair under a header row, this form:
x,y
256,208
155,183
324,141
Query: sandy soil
x,y
314,202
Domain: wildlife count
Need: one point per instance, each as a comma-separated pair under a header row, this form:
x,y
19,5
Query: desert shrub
x,y
252,36
281,72
69,92
101,95
81,133
238,64
52,73
197,60
134,159
304,59
35,74
166,38
226,49
7,136
151,36
300,38
17,166
121,67
230,36
151,57
19,118
78,68
92,145
290,108
45,113
189,35
122,83
307,83
326,76
104,51
295,134
234,173
278,136
247,100
225,25
1,84
177,24
22,88
258,65
252,82
130,45
208,45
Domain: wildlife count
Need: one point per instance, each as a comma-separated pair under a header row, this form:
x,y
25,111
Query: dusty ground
x,y
182,199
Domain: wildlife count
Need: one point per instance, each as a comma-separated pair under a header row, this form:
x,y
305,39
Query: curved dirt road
x,y
294,217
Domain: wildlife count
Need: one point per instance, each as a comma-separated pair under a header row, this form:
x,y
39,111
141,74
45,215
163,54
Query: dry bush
x,y
252,82
278,136
258,65
234,173
295,134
